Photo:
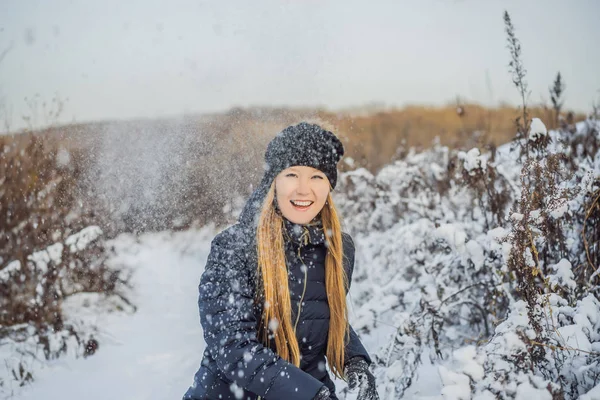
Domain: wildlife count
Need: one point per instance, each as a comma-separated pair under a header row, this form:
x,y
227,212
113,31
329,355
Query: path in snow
x,y
153,353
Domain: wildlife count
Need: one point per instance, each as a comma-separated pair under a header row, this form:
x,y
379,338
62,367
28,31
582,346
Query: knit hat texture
x,y
297,145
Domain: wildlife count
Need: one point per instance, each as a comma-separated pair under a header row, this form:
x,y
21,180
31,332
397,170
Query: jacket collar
x,y
301,235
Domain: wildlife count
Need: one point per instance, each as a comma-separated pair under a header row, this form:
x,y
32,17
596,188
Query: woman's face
x,y
301,193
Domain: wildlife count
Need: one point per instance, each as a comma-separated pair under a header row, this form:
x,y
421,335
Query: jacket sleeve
x,y
354,347
229,323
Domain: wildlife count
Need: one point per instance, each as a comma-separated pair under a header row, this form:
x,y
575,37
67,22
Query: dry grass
x,y
376,139
221,156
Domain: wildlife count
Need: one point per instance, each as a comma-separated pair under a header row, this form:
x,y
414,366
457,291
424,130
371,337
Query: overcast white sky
x,y
122,59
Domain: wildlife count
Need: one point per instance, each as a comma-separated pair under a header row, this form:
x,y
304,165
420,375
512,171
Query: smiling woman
x,y
301,193
273,293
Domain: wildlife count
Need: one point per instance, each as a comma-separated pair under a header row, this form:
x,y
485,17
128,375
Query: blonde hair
x,y
276,319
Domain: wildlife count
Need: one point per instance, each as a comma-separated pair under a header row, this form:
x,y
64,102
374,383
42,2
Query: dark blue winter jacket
x,y
236,365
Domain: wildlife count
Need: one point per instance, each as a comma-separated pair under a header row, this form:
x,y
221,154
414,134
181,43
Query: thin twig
x,y
466,288
554,347
585,243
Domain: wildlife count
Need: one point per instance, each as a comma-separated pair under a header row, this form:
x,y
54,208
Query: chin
x,y
299,218
302,220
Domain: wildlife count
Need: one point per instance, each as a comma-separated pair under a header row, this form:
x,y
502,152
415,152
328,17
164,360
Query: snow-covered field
x,y
152,353
423,262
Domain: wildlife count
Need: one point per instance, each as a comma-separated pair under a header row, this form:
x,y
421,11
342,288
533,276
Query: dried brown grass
x,y
224,152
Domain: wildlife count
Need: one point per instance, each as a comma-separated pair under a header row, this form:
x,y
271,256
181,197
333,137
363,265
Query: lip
x,y
302,209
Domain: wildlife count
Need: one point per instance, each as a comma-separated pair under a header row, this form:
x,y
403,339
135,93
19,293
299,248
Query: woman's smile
x,y
301,205
301,192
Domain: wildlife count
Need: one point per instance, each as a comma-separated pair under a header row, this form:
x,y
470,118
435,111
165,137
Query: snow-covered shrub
x,y
547,346
492,189
50,250
32,324
423,243
432,274
504,367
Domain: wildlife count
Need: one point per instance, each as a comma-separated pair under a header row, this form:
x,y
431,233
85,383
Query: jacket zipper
x,y
305,237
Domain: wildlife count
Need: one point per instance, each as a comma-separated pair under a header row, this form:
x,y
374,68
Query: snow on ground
x,y
415,250
153,353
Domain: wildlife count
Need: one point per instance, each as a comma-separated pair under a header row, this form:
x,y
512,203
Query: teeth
x,y
302,203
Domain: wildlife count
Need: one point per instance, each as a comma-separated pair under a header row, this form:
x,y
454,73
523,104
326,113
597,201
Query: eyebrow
x,y
316,170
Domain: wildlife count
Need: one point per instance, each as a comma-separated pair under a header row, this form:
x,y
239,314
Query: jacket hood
x,y
251,211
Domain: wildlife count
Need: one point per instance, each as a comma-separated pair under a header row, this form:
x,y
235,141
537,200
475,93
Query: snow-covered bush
x,y
32,325
50,250
485,262
434,234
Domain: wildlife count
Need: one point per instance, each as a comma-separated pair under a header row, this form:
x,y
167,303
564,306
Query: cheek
x,y
283,189
322,191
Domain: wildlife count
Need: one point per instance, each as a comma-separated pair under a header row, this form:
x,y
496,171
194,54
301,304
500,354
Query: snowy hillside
x,y
432,296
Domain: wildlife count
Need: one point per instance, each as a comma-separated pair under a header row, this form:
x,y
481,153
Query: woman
x,y
273,294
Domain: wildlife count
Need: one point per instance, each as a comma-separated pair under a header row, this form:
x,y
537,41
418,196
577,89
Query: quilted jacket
x,y
235,364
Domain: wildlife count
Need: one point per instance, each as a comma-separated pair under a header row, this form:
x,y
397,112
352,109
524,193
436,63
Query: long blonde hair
x,y
276,320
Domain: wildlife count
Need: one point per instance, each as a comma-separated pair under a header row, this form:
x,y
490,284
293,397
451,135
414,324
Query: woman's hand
x,y
358,374
323,394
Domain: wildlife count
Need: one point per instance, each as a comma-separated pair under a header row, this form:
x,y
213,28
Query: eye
x,y
291,174
318,176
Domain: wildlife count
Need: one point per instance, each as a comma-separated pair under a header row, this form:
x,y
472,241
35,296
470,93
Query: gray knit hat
x,y
297,145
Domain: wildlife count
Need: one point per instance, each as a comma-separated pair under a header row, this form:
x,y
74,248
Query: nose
x,y
303,186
